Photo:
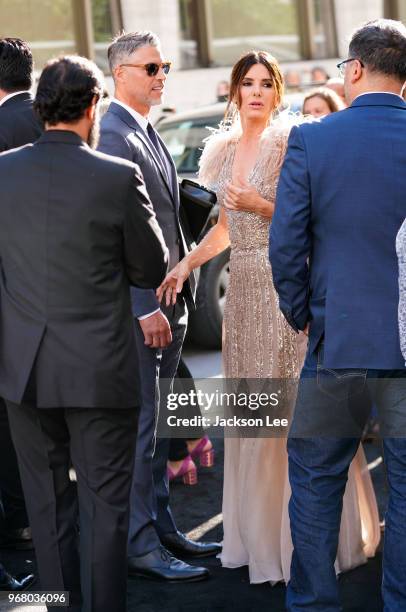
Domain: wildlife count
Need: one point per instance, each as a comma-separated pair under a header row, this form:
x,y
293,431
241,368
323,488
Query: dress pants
x,y
337,401
184,383
149,501
100,445
14,513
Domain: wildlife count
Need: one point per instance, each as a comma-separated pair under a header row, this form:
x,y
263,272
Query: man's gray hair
x,y
125,44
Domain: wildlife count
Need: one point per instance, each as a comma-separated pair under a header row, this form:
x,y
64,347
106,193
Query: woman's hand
x,y
242,196
173,282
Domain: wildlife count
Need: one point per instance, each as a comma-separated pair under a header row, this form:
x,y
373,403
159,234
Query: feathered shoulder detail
x,y
215,151
272,147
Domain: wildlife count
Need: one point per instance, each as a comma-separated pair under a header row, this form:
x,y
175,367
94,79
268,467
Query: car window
x,y
184,140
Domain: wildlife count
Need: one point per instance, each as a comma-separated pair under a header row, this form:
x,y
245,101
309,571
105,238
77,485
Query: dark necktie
x,y
154,140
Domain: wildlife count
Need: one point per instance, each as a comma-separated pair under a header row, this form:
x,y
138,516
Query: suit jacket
x,y
340,202
18,123
121,135
76,228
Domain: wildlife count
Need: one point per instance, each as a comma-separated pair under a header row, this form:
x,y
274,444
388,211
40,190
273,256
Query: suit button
x,y
177,241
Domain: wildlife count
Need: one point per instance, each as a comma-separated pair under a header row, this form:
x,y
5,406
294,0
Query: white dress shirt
x,y
11,95
140,119
365,93
143,123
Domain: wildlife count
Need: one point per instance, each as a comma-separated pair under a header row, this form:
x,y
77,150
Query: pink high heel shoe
x,y
205,451
187,470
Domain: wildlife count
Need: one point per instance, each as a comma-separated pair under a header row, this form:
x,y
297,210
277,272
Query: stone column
x,y
160,16
350,15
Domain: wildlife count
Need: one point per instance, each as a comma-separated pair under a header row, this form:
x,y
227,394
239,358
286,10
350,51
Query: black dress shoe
x,y
161,565
179,544
17,539
18,583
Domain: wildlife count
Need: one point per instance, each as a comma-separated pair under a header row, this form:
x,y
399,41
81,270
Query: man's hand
x,y
156,330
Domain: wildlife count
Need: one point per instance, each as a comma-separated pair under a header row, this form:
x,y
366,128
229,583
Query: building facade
x,y
202,38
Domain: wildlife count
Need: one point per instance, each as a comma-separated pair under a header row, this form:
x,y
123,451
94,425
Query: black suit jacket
x,y
18,123
122,136
76,228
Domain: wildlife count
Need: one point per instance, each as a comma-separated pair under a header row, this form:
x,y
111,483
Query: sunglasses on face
x,y
152,68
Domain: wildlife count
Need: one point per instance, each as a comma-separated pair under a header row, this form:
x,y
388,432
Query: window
x,y
188,32
324,30
47,26
217,32
270,25
104,31
395,9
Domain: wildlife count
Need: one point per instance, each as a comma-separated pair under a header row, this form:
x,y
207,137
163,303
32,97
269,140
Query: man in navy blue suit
x,y
340,203
139,74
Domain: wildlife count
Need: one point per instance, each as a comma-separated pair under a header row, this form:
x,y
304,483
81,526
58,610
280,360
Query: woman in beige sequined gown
x,y
257,341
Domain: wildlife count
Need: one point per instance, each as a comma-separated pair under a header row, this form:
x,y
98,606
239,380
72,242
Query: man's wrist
x,y
146,316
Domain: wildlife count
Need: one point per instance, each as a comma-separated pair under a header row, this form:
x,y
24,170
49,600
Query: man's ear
x,y
357,71
90,112
118,74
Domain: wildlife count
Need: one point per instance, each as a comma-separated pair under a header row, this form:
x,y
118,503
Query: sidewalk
x,y
228,590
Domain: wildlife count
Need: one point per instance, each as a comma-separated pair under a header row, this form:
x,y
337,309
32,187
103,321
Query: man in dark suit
x,y
340,203
18,126
139,74
74,234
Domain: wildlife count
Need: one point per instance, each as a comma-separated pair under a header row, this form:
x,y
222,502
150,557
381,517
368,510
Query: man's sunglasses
x,y
152,69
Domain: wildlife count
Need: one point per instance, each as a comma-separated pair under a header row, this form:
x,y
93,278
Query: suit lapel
x,y
140,134
145,140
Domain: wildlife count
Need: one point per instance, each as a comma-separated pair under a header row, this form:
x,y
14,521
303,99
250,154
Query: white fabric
x,y
366,93
148,315
11,95
140,119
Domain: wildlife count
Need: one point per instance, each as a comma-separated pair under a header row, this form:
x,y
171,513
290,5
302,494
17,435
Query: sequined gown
x,y
401,252
258,343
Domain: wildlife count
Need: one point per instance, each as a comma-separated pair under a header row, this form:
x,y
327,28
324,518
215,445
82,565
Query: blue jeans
x,y
318,468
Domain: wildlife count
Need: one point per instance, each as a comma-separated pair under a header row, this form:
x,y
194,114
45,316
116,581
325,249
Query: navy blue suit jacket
x,y
341,200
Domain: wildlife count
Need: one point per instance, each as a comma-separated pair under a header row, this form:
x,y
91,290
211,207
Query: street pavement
x,y
197,510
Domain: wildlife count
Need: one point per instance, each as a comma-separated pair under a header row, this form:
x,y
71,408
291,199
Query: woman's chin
x,y
256,114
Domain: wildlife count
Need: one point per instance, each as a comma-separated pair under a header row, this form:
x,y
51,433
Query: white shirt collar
x,y
140,119
11,95
366,93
